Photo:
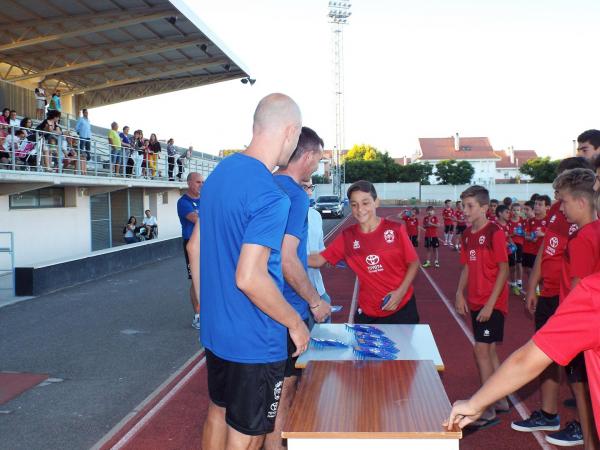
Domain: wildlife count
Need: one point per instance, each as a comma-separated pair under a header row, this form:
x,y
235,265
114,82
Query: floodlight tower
x,y
339,12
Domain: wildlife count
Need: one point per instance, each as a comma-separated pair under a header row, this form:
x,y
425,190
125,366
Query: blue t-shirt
x,y
186,205
241,204
297,226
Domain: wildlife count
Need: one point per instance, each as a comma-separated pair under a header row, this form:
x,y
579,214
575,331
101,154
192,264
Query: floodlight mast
x,y
339,12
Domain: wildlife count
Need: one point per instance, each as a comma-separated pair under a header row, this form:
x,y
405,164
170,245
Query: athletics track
x,y
172,417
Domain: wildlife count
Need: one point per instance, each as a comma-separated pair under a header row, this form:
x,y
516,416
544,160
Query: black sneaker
x,y
567,437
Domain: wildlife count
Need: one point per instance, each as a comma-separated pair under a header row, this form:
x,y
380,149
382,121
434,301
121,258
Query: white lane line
x,y
119,426
354,300
150,414
337,227
514,398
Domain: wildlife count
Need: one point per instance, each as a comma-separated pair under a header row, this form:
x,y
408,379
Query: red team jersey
x,y
448,215
506,229
574,328
514,226
481,252
412,225
379,259
460,217
582,256
534,225
489,215
558,230
430,231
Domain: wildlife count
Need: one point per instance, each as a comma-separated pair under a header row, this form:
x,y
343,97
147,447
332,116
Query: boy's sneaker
x,y
516,290
427,264
536,422
437,264
567,437
196,322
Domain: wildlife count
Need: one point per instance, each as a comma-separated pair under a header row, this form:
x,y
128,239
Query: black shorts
x,y
490,331
432,242
460,229
528,260
187,258
407,315
415,241
516,257
248,392
576,371
448,228
546,307
290,364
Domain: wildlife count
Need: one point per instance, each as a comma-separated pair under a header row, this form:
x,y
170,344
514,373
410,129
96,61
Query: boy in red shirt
x,y
517,232
431,224
448,216
382,257
535,228
491,212
484,273
461,224
411,219
571,330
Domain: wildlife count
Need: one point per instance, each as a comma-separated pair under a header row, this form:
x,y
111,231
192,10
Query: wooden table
x,y
415,342
364,405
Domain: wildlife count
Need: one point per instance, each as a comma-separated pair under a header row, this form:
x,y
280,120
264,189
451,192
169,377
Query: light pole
x,y
339,12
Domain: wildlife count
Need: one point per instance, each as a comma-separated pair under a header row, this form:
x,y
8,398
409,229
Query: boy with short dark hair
x,y
461,224
431,224
411,219
485,271
502,222
491,212
534,229
448,216
517,232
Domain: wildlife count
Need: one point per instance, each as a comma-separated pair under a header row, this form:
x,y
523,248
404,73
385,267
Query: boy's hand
x,y
531,300
485,313
395,300
462,414
461,304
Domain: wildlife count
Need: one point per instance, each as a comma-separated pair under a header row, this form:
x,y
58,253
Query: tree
x,y
541,170
373,171
320,179
454,172
362,152
415,172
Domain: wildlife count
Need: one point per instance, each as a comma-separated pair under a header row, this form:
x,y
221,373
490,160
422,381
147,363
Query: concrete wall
x,y
438,192
166,213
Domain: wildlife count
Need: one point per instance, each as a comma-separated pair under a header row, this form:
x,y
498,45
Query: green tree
x,y
362,152
454,172
373,171
320,179
415,172
542,170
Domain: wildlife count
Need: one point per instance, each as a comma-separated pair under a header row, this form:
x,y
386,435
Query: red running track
x,y
173,418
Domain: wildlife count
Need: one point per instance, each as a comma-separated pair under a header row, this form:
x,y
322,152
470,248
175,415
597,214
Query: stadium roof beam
x,y
113,59
156,75
87,29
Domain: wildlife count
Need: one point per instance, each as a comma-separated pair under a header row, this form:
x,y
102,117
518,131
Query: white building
x,y
490,166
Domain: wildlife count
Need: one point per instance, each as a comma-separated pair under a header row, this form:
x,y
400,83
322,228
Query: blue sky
x,y
523,73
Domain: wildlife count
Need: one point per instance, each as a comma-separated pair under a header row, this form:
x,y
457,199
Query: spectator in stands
x,y
55,103
129,231
145,165
154,150
40,102
138,152
126,150
84,130
10,148
183,159
27,123
47,128
114,141
12,119
171,156
4,124
150,224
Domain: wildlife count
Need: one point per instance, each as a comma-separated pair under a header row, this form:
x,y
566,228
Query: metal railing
x,y
46,151
7,274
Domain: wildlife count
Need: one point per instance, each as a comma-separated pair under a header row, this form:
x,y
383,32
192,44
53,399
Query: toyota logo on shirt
x,y
372,260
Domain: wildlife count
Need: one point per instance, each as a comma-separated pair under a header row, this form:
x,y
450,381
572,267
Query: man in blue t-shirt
x,y
188,206
245,318
297,289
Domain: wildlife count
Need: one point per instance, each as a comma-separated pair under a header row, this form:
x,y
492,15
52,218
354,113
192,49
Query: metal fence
x,y
45,151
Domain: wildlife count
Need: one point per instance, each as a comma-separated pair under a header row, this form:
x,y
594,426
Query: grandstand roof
x,y
108,51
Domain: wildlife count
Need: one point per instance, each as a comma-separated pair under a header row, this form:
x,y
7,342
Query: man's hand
x,y
462,414
531,300
485,313
321,312
461,304
394,301
300,337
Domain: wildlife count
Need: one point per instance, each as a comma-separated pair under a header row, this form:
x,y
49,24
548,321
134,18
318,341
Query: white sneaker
x,y
196,322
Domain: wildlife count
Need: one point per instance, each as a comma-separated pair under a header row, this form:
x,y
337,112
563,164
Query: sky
x,y
523,73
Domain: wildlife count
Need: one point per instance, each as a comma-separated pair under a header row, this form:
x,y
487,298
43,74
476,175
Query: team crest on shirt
x,y
554,242
356,245
472,255
481,240
553,218
389,236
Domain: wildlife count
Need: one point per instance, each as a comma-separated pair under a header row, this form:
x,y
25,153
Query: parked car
x,y
330,205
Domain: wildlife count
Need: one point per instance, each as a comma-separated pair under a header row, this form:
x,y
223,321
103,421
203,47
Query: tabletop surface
x,y
370,399
415,342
